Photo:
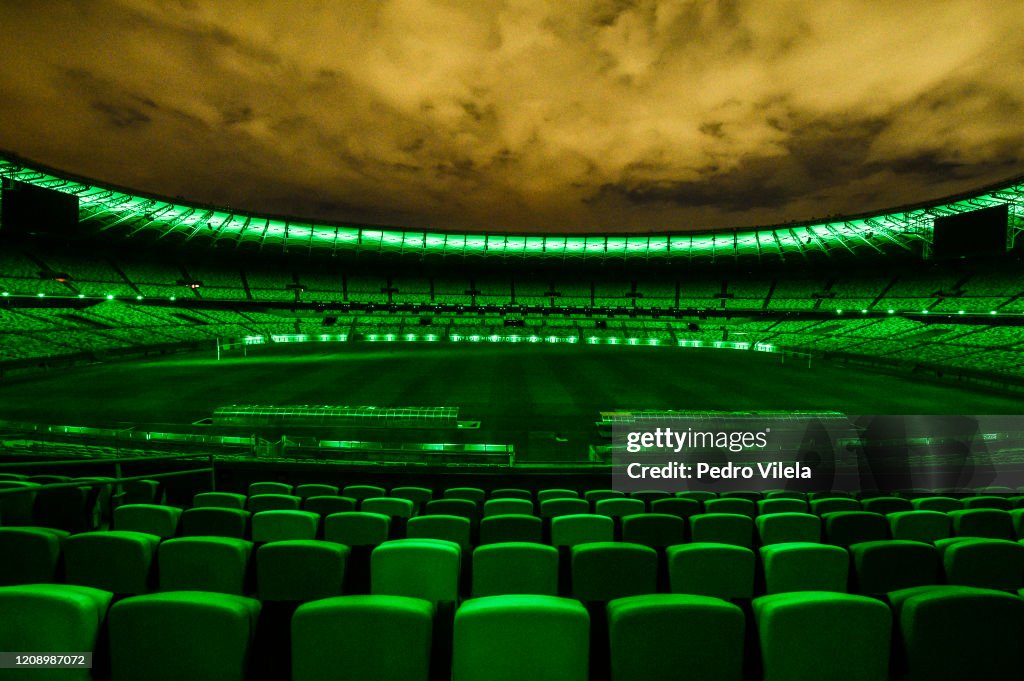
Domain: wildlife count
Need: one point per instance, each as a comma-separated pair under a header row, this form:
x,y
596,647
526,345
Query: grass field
x,y
524,394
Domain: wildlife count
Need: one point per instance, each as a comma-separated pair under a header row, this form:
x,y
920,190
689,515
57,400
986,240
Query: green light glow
x,y
110,297
41,294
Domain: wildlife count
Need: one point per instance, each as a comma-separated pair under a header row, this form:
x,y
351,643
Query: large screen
x,y
979,232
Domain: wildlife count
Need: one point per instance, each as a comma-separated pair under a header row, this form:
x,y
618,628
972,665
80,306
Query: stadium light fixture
x,y
138,297
5,294
81,295
41,294
110,297
960,312
839,312
173,298
924,311
990,312
891,311
864,311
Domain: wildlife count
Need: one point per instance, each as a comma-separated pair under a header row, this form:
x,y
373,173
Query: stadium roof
x,y
121,211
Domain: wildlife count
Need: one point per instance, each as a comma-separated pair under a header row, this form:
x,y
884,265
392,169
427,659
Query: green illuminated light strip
x,y
110,209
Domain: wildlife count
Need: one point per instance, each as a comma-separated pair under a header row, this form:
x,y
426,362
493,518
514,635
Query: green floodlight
x,y
173,298
110,297
924,311
839,312
81,295
41,294
891,311
5,294
864,311
138,297
990,312
960,312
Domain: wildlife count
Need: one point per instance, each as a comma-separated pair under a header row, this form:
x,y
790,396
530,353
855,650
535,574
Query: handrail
x,y
117,480
98,483
76,462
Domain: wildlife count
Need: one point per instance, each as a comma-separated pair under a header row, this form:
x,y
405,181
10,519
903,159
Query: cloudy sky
x,y
522,115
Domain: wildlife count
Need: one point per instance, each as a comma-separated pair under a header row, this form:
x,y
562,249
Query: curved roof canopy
x,y
120,211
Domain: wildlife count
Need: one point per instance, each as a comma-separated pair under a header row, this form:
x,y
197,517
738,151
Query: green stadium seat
x,y
512,493
649,496
417,495
515,568
474,494
707,569
553,508
1002,503
215,522
595,495
115,561
72,509
273,502
813,635
508,506
886,505
940,504
460,507
778,528
178,636
804,567
316,490
951,633
781,505
582,528
921,525
162,521
741,494
518,637
16,509
547,494
300,570
38,552
735,506
451,528
142,492
833,504
723,528
829,494
325,506
990,523
392,507
893,564
984,563
417,568
49,479
104,499
677,506
844,528
260,488
618,508
270,526
357,528
360,492
656,530
1017,501
18,477
1017,517
215,564
219,500
603,571
672,636
365,638
785,494
498,529
51,618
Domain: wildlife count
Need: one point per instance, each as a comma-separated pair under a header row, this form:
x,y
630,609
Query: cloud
x,y
522,114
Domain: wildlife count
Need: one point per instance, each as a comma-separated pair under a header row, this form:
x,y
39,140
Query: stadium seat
x,y
260,488
940,504
886,505
804,567
553,508
417,495
735,506
176,636
392,507
656,530
984,563
515,568
300,570
844,528
512,493
273,502
498,529
707,569
219,500
508,505
72,509
741,494
722,528
162,521
357,528
781,505
215,564
1017,516
369,638
315,490
921,525
38,552
474,494
453,528
814,635
949,633
785,494
777,528
517,637
603,571
987,501
833,504
649,496
270,526
583,528
618,508
595,495
990,523
116,561
547,494
417,568
829,494
215,522
677,506
142,492
671,636
16,509
452,506
325,506
51,618
360,492
13,476
890,565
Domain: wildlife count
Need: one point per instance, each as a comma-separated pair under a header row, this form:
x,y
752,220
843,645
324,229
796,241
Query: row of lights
x,y
891,311
109,296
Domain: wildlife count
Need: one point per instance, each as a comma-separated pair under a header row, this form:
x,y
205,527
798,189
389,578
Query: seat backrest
x,y
595,495
328,505
451,528
985,563
781,505
116,561
427,569
987,501
474,494
800,566
546,494
583,528
357,528
552,508
656,530
283,525
677,506
269,488
16,509
148,518
300,570
515,568
893,564
618,508
921,525
737,506
844,528
723,528
833,504
700,495
316,490
990,523
273,502
215,522
216,564
512,493
360,492
392,507
38,552
219,500
602,571
507,505
708,569
417,495
453,506
886,505
778,528
512,527
941,504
